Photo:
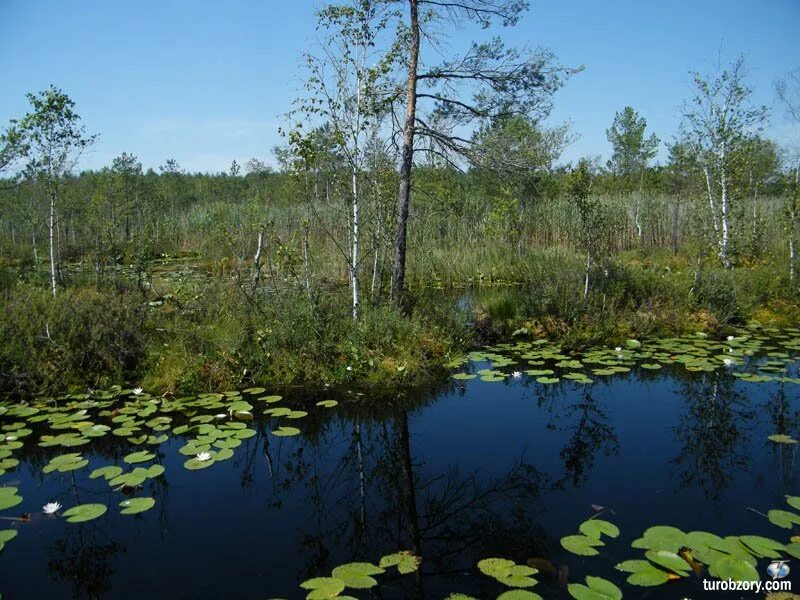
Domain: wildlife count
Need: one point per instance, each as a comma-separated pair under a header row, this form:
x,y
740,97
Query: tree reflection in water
x,y
83,559
713,433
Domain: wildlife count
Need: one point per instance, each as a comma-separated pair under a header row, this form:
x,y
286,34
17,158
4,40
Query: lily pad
x,y
781,438
358,575
138,457
669,560
643,573
9,497
406,562
595,527
193,464
84,512
596,588
517,595
109,472
731,567
285,431
322,588
132,506
783,518
581,545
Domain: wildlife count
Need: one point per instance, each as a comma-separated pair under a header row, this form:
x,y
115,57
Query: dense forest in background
x,y
386,240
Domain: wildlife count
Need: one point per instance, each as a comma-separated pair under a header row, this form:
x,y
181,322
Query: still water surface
x,y
459,473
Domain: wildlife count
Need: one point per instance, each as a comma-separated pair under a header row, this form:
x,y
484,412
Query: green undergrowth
x,y
199,329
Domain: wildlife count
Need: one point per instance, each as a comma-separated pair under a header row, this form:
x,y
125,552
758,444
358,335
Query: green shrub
x,y
82,337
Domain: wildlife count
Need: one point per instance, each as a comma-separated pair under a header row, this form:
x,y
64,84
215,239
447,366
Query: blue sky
x,y
208,82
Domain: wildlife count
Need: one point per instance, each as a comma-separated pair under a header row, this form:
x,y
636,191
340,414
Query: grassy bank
x,y
200,325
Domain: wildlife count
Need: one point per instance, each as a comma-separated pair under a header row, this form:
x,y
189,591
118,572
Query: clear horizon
x,y
207,86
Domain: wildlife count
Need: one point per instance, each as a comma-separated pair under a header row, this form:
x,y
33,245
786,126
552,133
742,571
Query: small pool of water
x,y
470,470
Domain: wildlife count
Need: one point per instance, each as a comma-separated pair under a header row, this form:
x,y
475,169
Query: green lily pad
x,y
358,575
781,438
581,545
643,573
595,527
406,562
109,472
463,376
84,512
661,537
132,506
596,588
138,457
783,518
193,464
731,567
322,588
669,560
763,546
515,595
284,431
9,497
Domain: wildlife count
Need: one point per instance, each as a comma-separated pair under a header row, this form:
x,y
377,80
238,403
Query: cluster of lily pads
x,y
358,576
754,354
214,423
669,555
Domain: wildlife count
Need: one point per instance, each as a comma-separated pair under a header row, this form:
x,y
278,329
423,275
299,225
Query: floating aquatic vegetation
x,y
321,588
587,543
596,588
406,562
595,528
9,497
284,431
508,572
753,355
133,506
84,512
138,457
782,438
6,535
357,575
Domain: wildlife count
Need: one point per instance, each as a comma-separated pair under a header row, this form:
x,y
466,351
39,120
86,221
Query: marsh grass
x,y
179,313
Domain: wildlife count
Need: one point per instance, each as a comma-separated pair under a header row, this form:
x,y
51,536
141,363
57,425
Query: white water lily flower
x,y
618,349
516,374
11,438
728,361
203,456
51,508
730,350
731,338
349,368
220,416
137,391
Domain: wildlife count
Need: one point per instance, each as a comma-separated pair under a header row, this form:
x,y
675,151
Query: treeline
x,y
123,215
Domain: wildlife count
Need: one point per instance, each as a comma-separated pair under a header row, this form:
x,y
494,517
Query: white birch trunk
x,y
51,228
725,240
355,250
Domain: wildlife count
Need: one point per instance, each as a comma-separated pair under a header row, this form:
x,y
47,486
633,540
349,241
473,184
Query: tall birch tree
x,y
717,122
349,91
54,140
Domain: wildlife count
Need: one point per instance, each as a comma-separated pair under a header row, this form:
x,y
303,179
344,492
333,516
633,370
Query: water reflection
x,y
713,433
392,473
83,559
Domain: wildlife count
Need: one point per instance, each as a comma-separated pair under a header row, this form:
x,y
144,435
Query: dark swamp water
x,y
470,470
